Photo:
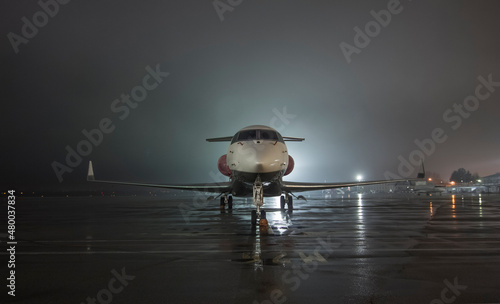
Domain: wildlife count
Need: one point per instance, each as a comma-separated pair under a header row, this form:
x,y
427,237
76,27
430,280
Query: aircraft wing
x,y
219,139
288,138
208,187
229,138
301,187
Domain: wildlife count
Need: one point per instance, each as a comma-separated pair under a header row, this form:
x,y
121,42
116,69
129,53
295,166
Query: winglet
x,y
421,174
90,174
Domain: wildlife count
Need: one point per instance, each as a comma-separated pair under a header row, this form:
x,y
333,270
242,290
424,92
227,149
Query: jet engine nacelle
x,y
291,164
223,167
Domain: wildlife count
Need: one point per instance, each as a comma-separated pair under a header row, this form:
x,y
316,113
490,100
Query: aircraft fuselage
x,y
257,151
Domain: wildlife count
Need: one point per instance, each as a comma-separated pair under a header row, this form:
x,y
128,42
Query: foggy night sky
x,y
357,117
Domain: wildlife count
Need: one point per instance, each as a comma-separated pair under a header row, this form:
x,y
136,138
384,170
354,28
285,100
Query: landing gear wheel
x,y
290,202
222,203
282,202
230,203
262,214
253,217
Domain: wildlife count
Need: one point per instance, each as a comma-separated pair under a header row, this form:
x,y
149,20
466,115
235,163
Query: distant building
x,y
491,179
380,188
491,182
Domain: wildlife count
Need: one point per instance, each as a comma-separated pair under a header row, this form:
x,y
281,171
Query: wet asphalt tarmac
x,y
369,249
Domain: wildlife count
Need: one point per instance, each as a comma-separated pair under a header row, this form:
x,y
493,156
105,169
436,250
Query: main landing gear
x,y
286,199
226,200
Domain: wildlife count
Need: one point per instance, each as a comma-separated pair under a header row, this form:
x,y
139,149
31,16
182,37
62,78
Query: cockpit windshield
x,y
268,135
247,135
257,135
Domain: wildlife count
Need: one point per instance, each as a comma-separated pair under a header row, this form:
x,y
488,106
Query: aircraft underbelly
x,y
250,177
240,189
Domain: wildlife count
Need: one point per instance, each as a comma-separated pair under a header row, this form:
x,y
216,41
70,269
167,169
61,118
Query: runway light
x,y
359,177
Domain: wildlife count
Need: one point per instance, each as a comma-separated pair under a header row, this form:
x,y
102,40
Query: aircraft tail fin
x,y
422,173
90,174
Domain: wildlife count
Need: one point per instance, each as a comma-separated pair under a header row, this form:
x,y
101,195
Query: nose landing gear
x,y
258,201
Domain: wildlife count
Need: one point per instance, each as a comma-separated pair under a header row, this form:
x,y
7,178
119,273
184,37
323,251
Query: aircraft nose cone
x,y
258,157
262,162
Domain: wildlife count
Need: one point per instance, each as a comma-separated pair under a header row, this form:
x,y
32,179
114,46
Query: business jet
x,y
256,162
427,188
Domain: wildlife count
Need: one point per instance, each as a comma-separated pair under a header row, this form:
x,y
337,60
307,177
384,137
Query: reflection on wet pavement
x,y
341,250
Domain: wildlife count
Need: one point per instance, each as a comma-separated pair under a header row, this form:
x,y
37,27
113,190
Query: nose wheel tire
x,y
254,217
222,203
290,202
282,202
223,200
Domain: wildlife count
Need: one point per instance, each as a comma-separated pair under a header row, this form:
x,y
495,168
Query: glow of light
x,y
480,206
453,205
430,179
278,219
359,177
431,210
258,264
360,227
